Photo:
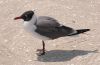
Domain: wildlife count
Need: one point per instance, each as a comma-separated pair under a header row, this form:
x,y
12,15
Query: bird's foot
x,y
41,52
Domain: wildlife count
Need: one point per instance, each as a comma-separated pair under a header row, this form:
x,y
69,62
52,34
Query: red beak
x,y
17,18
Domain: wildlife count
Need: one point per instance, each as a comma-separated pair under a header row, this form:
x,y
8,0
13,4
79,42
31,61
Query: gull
x,y
46,28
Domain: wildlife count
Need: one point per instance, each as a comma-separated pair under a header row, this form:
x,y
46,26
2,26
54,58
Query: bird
x,y
46,28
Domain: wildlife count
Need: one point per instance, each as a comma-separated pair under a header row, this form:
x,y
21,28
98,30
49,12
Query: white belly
x,y
31,29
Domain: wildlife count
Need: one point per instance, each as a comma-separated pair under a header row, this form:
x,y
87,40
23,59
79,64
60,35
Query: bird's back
x,y
45,21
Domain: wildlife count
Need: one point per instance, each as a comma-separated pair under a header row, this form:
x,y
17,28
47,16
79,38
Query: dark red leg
x,y
42,51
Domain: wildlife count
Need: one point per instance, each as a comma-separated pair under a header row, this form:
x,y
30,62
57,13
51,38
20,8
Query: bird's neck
x,y
33,20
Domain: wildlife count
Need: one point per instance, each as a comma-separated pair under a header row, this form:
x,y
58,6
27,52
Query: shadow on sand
x,y
62,55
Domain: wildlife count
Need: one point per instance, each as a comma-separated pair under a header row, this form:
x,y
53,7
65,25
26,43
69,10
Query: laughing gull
x,y
46,28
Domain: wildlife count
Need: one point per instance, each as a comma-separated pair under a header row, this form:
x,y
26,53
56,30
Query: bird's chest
x,y
29,27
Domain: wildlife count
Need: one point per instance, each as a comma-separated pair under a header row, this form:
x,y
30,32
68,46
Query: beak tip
x,y
17,18
14,18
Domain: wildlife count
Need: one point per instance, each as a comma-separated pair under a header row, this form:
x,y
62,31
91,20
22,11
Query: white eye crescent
x,y
25,15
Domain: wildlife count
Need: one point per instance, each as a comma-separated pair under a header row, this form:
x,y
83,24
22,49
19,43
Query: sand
x,y
17,47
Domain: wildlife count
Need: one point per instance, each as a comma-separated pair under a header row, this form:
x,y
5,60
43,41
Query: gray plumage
x,y
50,27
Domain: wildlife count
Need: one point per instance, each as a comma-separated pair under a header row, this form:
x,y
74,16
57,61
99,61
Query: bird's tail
x,y
79,31
70,31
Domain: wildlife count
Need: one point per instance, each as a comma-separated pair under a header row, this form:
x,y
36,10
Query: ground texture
x,y
17,47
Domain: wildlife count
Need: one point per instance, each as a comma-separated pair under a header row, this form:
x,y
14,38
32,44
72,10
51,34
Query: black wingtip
x,y
82,30
79,31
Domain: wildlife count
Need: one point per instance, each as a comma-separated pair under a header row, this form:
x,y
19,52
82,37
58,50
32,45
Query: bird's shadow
x,y
62,55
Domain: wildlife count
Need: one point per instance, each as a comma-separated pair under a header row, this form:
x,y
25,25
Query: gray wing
x,y
47,22
49,27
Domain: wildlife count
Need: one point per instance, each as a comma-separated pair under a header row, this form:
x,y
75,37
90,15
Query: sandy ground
x,y
17,47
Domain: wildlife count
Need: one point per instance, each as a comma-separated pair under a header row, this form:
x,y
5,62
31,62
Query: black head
x,y
26,16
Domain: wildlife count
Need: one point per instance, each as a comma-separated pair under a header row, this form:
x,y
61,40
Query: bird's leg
x,y
42,51
43,47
